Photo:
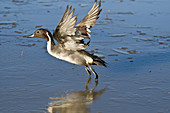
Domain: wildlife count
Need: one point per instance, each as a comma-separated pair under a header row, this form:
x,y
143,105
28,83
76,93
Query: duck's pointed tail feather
x,y
99,61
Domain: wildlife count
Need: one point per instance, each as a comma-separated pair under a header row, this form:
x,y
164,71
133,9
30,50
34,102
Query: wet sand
x,y
133,37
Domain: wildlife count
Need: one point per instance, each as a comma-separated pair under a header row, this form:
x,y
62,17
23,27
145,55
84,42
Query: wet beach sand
x,y
132,36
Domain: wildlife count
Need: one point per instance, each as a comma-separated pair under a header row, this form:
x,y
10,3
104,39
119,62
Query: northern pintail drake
x,y
70,37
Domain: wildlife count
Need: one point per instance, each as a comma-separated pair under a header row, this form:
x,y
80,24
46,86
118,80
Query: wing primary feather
x,y
94,12
64,14
71,36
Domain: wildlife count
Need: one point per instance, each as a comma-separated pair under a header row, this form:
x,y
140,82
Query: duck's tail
x,y
98,61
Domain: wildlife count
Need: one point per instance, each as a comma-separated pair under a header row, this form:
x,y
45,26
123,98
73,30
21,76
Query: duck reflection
x,y
76,102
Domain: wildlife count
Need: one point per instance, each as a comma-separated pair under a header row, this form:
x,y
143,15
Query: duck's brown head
x,y
41,33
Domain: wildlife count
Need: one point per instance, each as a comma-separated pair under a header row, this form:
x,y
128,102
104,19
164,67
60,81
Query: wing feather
x,y
71,36
66,25
90,19
93,13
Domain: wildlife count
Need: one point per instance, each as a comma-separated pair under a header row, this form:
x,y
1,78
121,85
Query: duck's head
x,y
40,33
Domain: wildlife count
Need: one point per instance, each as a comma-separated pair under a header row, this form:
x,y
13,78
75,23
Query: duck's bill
x,y
28,36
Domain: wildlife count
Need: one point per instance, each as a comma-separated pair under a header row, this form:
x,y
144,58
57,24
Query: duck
x,y
70,38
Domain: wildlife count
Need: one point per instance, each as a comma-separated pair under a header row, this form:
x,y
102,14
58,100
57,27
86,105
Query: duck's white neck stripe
x,y
48,37
49,43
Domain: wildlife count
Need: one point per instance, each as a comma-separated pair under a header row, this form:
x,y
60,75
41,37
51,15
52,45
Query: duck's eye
x,y
37,31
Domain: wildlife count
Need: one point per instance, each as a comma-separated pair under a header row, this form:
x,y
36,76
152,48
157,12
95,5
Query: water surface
x,y
133,36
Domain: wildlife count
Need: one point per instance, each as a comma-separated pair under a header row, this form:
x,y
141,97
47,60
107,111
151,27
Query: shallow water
x,y
132,36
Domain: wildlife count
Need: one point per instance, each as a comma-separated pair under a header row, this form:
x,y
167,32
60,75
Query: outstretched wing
x,y
65,26
90,19
71,36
